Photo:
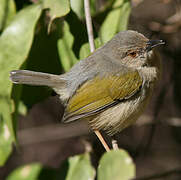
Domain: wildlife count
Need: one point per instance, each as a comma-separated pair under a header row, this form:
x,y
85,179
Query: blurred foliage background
x,y
51,36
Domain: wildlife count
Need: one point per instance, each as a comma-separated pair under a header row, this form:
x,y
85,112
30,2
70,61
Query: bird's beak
x,y
153,43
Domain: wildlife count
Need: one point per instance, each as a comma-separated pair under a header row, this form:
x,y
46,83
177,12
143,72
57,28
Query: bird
x,y
109,89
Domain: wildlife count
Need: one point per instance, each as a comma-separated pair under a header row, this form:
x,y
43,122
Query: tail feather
x,y
36,78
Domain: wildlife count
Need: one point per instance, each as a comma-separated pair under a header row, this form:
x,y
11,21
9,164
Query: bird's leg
x,y
98,134
114,143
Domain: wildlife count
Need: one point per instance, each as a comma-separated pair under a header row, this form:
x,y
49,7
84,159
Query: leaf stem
x,y
115,144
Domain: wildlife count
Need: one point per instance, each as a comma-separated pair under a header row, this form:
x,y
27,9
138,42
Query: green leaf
x,y
118,19
22,108
79,34
57,8
7,12
15,43
85,49
74,168
43,57
65,43
28,172
5,140
78,7
79,168
116,165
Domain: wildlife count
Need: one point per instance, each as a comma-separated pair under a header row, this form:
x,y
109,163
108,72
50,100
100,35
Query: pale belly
x,y
123,114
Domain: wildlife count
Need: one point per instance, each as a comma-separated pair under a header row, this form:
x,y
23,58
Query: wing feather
x,y
100,93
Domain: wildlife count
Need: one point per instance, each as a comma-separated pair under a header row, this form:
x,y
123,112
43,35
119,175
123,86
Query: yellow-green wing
x,y
101,93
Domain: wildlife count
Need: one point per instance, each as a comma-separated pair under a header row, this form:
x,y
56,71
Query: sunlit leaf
x,y
7,12
78,7
57,8
43,57
22,108
116,20
28,172
74,168
78,168
65,43
116,165
15,43
5,140
85,49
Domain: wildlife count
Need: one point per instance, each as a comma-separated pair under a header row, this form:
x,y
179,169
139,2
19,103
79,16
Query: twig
x,y
92,49
89,25
98,134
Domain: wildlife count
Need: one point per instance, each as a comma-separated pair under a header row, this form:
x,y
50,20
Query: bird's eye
x,y
133,54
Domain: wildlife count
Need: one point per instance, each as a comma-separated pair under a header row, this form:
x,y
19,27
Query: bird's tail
x,y
36,78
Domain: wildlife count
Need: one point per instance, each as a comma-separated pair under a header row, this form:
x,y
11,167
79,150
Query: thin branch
x,y
92,49
89,25
98,134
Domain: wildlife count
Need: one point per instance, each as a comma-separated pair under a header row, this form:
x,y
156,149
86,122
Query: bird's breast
x,y
123,114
